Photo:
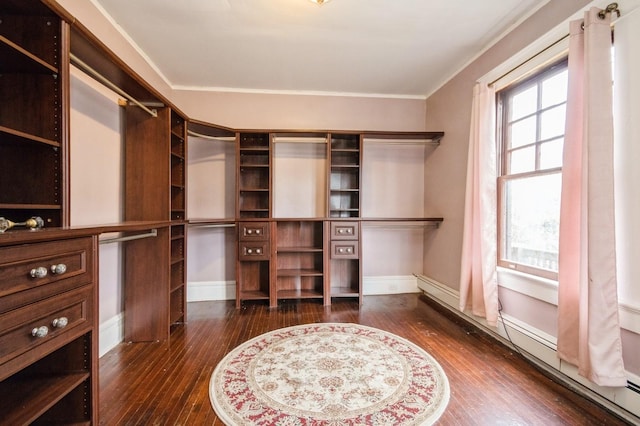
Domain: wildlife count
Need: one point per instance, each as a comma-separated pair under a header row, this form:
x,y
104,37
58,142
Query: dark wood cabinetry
x,y
344,175
299,252
33,102
310,257
254,176
254,261
48,328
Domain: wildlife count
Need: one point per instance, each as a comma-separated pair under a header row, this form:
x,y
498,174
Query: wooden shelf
x,y
299,294
29,398
299,273
15,59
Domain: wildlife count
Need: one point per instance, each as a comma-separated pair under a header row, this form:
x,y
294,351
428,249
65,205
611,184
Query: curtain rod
x,y
214,138
112,86
611,8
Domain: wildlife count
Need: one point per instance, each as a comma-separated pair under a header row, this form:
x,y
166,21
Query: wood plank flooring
x,y
168,383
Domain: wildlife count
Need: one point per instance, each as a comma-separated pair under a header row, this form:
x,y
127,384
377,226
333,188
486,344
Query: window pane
x,y
551,154
554,90
532,212
523,132
524,103
522,160
552,122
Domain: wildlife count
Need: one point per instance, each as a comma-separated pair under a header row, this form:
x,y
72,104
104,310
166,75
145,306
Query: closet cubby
x,y
32,103
344,176
178,277
300,259
254,176
178,167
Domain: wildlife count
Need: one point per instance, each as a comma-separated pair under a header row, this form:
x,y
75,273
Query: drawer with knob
x,y
35,271
344,250
253,231
47,324
254,250
345,231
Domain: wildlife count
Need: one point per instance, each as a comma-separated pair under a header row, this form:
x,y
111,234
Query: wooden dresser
x,y
48,327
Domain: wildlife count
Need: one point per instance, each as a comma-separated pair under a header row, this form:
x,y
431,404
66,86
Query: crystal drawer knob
x,y
58,269
39,272
60,322
40,332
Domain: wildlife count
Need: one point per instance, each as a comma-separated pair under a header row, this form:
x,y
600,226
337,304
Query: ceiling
x,y
403,48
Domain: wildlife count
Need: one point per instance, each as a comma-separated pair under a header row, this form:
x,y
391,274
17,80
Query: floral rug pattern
x,y
328,374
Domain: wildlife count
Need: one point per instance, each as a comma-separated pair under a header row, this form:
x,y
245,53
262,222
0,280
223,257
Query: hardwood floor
x,y
168,383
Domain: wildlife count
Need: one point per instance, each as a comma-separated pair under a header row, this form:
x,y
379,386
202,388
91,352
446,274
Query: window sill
x,y
530,285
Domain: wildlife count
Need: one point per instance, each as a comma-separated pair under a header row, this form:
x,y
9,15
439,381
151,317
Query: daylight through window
x,y
531,117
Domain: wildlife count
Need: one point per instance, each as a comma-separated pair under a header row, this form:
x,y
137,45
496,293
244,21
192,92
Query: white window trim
x,y
531,285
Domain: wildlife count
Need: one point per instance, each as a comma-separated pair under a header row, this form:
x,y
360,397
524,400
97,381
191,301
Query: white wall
x,y
96,176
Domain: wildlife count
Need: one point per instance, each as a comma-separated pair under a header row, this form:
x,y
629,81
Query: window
x,y
531,118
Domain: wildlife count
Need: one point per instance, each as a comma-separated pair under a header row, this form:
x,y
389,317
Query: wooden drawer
x,y
253,231
254,250
344,250
20,283
345,230
17,327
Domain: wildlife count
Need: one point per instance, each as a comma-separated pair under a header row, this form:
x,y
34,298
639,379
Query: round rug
x,y
328,374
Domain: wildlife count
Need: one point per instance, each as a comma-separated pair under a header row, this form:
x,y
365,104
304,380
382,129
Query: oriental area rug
x,y
328,374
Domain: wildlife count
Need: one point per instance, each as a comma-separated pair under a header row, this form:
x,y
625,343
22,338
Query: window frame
x,y
503,176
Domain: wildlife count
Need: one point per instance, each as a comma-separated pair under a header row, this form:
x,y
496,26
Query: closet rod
x,y
213,225
109,84
293,139
152,233
214,138
425,142
388,225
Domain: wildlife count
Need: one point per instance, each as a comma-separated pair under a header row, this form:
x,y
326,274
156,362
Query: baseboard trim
x,y
540,349
200,291
393,284
111,334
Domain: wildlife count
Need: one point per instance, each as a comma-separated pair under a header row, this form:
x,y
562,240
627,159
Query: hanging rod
x,y
389,225
152,233
296,139
428,142
112,86
214,138
213,225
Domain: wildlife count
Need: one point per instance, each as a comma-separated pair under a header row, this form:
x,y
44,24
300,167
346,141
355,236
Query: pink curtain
x,y
478,281
588,324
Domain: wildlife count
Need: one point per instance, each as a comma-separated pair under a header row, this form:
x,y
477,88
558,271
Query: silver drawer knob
x,y
257,231
39,272
249,251
340,250
258,251
40,332
60,322
249,231
58,269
